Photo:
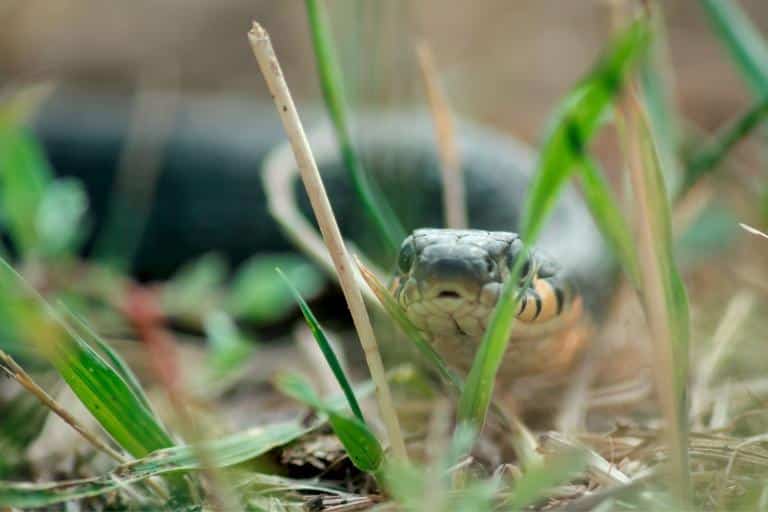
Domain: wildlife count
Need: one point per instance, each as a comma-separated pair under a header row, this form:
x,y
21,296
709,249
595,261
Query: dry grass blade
x,y
270,68
739,308
454,202
661,290
17,373
754,231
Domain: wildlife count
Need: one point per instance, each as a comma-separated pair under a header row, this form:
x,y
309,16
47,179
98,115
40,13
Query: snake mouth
x,y
449,308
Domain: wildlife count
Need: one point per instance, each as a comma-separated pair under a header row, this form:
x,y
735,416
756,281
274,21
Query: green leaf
x,y
540,478
24,178
260,296
375,206
326,349
576,121
225,452
115,360
412,332
747,48
25,316
660,270
229,349
361,444
195,288
656,80
61,217
708,157
609,217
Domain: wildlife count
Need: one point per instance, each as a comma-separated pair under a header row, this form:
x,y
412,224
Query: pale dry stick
x,y
16,372
278,177
654,295
738,310
750,229
454,197
321,206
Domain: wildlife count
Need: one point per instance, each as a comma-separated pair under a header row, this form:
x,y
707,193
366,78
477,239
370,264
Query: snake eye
x,y
406,255
517,250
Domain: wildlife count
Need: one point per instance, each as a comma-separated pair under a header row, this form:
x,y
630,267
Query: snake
x,y
210,196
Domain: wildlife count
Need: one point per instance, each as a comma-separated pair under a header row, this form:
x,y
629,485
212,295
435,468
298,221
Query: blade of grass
x,y
576,121
361,444
229,451
26,316
396,313
541,477
412,332
656,78
665,298
25,175
113,358
321,206
754,231
708,157
745,44
454,200
16,372
326,349
376,209
608,216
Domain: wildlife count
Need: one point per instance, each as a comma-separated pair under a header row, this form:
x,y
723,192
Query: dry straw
x,y
321,206
454,203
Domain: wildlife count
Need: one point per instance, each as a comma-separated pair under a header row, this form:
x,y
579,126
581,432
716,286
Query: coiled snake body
x,y
210,197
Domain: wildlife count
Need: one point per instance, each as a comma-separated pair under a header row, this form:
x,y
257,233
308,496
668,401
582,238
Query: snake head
x,y
448,281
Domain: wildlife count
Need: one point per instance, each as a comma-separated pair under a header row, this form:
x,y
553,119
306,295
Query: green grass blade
x,y
478,389
229,351
326,349
655,77
540,478
746,46
61,218
87,334
229,451
576,122
24,175
412,332
664,295
25,316
378,211
361,444
609,217
707,158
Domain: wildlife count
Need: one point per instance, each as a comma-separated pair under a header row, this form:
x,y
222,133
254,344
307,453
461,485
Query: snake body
x,y
209,196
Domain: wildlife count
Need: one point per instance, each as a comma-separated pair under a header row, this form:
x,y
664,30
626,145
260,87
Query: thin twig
x,y
750,229
454,202
278,175
17,373
321,206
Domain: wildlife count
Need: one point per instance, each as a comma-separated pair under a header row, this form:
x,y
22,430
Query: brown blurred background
x,y
503,62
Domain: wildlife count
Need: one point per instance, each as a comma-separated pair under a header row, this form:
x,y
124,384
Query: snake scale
x,y
209,196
